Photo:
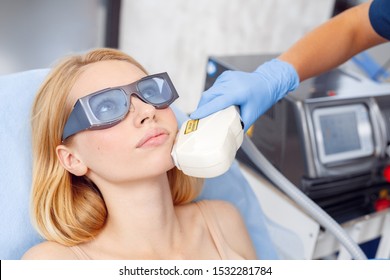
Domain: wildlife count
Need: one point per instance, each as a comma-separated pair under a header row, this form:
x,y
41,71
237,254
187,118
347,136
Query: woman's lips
x,y
153,138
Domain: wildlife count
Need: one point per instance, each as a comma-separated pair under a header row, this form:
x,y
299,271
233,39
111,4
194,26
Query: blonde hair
x,y
66,208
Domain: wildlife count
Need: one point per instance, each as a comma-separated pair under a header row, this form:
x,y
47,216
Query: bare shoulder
x,y
222,205
233,227
49,250
225,211
227,215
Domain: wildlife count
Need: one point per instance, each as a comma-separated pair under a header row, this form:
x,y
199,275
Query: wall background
x,y
178,36
35,34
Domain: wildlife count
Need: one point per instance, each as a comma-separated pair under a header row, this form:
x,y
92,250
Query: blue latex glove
x,y
254,92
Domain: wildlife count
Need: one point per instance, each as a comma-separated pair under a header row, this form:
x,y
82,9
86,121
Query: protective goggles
x,y
108,107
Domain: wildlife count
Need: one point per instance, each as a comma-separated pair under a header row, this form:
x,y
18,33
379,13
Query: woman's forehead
x,y
103,74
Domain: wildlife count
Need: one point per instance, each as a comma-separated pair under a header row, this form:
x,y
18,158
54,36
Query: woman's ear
x,y
70,161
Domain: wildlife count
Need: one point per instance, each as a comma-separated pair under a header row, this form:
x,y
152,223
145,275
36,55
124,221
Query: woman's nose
x,y
143,112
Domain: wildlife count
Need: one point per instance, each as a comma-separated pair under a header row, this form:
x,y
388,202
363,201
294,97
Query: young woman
x,y
104,184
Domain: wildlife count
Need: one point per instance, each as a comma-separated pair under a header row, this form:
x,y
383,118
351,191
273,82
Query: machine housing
x,y
330,137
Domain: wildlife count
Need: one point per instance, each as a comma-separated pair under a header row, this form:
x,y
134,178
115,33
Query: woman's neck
x,y
141,218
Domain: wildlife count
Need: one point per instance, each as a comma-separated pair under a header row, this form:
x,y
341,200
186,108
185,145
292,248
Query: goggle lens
x,y
109,105
155,91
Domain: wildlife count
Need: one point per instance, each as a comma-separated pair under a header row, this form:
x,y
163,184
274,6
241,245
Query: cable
x,y
301,199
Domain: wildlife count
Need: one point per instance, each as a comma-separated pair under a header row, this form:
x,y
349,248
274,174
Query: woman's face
x,y
139,146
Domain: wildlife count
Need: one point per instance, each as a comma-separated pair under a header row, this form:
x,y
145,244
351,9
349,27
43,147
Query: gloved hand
x,y
254,92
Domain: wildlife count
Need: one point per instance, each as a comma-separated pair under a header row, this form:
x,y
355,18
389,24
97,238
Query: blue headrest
x,y
17,92
17,235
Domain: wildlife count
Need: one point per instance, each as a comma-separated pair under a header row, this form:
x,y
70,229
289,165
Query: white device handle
x,y
206,147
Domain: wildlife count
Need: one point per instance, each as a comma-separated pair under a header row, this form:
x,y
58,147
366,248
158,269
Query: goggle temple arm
x,y
77,121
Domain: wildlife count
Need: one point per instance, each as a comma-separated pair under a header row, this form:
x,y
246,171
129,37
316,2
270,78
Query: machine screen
x,y
343,132
340,133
